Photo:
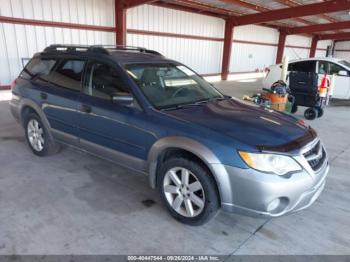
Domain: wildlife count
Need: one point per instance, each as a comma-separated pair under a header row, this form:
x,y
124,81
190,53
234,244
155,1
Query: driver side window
x,y
334,69
103,81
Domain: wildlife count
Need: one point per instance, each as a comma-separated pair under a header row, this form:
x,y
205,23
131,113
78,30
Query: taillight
x,y
302,123
13,84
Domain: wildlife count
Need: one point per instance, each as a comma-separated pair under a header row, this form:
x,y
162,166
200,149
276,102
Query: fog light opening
x,y
277,205
273,205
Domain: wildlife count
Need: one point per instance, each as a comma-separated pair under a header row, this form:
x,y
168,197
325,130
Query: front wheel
x,y
188,191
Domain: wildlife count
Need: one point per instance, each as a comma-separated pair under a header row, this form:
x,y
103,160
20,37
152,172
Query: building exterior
x,y
196,40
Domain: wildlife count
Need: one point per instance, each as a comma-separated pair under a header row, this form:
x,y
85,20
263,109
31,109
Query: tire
x,y
294,108
320,112
311,113
203,197
38,137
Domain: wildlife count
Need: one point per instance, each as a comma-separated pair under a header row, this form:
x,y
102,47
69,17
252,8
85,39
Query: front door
x,y
109,129
341,88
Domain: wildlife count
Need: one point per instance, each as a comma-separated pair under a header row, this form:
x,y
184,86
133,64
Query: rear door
x,y
60,99
302,66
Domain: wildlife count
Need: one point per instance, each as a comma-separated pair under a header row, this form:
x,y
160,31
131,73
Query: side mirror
x,y
343,73
124,99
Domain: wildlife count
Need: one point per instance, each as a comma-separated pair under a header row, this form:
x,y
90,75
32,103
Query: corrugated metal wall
x,y
204,56
254,48
20,41
342,50
97,12
293,44
322,45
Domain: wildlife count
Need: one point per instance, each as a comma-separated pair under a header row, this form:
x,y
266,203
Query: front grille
x,y
316,156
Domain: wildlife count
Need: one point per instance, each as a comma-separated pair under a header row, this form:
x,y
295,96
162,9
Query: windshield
x,y
170,85
346,63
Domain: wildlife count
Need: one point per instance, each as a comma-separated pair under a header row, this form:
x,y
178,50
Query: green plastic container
x,y
289,106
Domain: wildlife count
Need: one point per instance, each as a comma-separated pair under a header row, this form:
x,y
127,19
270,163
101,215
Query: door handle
x,y
43,96
86,109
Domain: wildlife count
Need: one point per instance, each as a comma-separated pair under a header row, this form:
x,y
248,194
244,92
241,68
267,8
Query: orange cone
x,y
325,84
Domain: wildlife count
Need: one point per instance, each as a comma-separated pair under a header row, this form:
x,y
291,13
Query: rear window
x,y
304,66
38,67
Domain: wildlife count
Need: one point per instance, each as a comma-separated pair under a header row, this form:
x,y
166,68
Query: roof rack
x,y
103,49
132,48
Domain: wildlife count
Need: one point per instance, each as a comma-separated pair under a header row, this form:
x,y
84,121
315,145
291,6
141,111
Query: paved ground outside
x,y
74,203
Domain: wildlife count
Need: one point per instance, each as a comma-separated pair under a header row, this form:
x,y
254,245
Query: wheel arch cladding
x,y
192,148
25,112
28,107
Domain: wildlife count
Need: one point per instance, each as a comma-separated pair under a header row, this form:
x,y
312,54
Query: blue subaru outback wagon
x,y
201,149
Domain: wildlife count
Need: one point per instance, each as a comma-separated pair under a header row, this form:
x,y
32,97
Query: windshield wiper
x,y
180,106
203,101
196,103
210,100
171,108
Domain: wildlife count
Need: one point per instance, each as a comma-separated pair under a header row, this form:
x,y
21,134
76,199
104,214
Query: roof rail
x,y
103,49
75,48
132,48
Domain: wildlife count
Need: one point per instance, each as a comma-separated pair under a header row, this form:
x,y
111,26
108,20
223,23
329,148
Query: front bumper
x,y
253,193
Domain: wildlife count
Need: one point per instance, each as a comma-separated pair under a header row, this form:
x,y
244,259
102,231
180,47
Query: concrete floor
x,y
74,203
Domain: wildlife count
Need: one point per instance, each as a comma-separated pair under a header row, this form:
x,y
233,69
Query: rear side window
x,y
68,74
304,66
38,67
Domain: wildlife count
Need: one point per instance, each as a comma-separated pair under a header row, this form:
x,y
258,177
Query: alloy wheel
x,y
35,135
184,192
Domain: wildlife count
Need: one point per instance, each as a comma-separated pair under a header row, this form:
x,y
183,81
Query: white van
x,y
332,66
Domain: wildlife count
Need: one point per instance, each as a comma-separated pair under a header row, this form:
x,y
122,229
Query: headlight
x,y
270,163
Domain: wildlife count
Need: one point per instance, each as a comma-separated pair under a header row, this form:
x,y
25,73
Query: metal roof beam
x,y
195,8
260,9
338,36
343,40
293,12
319,28
206,9
293,4
134,3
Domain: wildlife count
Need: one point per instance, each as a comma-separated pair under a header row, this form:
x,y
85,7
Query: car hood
x,y
252,125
